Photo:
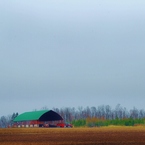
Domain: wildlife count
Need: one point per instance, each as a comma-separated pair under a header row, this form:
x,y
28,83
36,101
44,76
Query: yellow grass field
x,y
73,136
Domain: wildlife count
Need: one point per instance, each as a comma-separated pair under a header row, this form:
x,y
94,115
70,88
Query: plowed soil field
x,y
73,136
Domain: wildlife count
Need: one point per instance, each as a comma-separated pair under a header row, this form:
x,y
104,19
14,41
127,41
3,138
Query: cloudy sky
x,y
60,53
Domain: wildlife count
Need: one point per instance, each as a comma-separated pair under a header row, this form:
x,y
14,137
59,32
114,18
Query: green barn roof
x,y
34,115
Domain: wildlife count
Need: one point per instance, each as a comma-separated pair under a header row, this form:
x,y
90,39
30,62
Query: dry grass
x,y
73,136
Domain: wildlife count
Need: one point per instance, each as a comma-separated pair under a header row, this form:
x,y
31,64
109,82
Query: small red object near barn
x,y
64,125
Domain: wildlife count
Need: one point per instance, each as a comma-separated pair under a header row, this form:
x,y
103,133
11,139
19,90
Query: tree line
x,y
92,116
104,111
6,121
102,116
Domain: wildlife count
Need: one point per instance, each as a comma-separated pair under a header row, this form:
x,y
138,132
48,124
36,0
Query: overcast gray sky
x,y
61,53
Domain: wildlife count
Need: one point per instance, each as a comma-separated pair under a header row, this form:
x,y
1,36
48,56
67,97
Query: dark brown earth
x,y
73,136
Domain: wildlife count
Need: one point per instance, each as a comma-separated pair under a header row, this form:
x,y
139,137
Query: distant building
x,y
43,118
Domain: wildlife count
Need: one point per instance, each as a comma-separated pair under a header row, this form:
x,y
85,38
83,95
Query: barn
x,y
43,118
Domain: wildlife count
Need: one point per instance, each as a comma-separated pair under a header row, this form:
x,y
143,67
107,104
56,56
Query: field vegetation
x,y
98,122
73,136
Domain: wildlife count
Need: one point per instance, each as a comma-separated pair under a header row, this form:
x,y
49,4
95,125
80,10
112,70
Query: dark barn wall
x,y
50,116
